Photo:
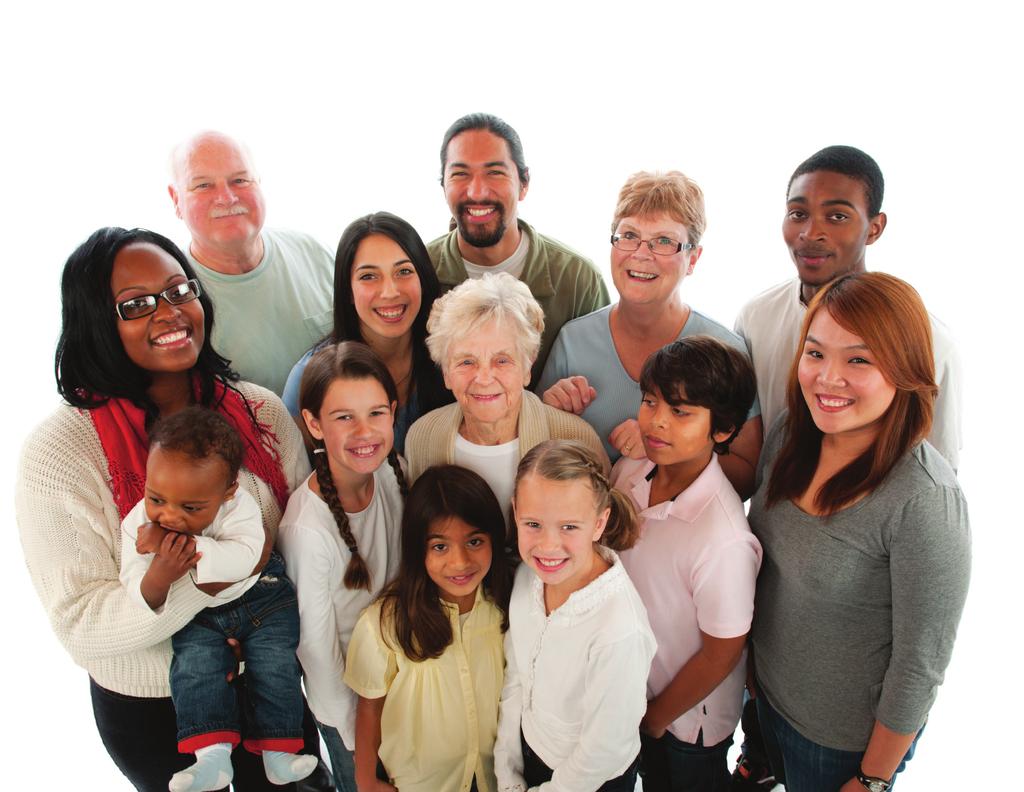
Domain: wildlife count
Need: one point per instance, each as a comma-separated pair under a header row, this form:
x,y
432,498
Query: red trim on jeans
x,y
193,744
282,744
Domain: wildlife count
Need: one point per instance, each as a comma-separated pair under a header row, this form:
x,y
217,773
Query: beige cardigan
x,y
431,440
71,534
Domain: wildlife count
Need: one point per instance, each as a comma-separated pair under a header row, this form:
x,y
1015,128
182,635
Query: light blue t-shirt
x,y
406,415
585,347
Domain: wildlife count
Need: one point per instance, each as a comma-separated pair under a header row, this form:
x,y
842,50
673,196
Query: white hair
x,y
476,302
181,152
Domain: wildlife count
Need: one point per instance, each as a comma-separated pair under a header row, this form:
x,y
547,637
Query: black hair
x,y
411,602
91,365
347,360
199,433
848,161
425,376
493,124
711,374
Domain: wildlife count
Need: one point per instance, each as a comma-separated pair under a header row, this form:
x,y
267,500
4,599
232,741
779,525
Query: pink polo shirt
x,y
694,567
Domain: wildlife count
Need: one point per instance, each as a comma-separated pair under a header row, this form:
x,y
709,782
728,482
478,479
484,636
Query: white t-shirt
x,y
496,465
513,265
770,324
316,558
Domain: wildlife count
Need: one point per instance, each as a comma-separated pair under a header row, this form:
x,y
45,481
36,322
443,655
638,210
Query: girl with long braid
x,y
341,533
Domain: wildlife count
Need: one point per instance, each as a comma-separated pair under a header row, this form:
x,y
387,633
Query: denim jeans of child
x,y
667,764
139,735
810,767
265,620
343,761
536,772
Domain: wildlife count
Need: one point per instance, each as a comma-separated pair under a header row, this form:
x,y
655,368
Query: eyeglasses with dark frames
x,y
659,246
145,304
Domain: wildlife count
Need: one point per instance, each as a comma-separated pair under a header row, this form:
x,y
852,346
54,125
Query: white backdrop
x,y
344,109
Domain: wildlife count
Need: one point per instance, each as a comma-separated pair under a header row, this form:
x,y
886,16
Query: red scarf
x,y
121,427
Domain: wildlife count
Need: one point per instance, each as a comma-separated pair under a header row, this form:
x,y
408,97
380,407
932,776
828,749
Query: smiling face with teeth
x,y
167,341
641,277
483,190
486,374
356,425
386,289
216,191
458,558
557,523
845,390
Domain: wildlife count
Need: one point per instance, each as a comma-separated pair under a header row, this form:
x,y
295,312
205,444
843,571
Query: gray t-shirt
x,y
855,614
585,347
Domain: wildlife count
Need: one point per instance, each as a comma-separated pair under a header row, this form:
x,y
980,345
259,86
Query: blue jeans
x,y
343,763
810,767
667,764
265,620
536,772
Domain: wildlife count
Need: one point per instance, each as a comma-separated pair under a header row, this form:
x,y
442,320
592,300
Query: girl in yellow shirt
x,y
426,659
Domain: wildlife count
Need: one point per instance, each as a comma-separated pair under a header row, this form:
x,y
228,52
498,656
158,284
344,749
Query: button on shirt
x,y
575,681
440,719
695,568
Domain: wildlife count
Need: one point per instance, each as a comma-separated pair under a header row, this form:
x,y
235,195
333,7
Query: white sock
x,y
284,768
212,770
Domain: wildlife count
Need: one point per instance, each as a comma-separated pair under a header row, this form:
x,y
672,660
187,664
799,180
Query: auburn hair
x,y
888,314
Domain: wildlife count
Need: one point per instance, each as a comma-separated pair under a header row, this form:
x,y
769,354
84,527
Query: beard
x,y
482,235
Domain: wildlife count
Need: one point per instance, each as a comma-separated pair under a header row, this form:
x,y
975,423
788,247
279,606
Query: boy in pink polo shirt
x,y
696,562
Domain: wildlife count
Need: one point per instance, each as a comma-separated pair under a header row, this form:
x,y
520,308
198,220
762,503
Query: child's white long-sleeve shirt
x,y
575,681
231,547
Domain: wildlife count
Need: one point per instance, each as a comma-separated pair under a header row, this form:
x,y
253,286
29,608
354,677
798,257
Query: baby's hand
x,y
149,539
175,556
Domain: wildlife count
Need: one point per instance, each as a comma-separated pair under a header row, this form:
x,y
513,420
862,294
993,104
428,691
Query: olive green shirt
x,y
566,284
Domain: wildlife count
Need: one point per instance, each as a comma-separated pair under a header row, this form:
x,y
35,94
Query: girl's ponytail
x,y
623,528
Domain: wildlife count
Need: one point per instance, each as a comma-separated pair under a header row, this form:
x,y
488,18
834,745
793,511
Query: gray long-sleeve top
x,y
856,614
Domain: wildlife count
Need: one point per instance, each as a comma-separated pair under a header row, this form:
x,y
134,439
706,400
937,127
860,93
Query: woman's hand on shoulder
x,y
572,394
627,438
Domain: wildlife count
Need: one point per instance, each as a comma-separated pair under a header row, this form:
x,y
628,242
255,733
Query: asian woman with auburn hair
x,y
866,545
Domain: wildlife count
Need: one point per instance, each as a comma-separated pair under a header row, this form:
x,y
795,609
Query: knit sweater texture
x,y
71,535
431,440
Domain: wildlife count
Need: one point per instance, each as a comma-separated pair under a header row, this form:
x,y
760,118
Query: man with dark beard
x,y
484,176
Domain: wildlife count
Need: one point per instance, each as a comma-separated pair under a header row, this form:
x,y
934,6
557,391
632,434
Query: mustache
x,y
234,210
813,251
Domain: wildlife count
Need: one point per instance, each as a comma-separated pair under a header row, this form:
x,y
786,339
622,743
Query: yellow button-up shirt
x,y
440,719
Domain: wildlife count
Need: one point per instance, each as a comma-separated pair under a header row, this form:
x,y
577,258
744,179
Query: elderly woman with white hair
x,y
484,334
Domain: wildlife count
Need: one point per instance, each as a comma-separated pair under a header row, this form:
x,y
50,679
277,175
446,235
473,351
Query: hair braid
x,y
403,486
357,576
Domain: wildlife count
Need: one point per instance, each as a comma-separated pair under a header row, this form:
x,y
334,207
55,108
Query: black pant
x,y
140,734
536,772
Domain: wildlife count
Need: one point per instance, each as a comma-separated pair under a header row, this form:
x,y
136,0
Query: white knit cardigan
x,y
70,532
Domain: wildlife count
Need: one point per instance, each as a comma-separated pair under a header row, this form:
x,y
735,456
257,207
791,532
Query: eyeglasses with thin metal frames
x,y
659,246
144,304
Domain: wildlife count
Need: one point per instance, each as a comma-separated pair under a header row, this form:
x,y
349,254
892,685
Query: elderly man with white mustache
x,y
272,289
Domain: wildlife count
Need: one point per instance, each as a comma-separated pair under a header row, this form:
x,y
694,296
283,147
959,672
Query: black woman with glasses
x,y
135,346
595,363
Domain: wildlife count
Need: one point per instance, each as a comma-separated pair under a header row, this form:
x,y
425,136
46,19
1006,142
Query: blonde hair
x,y
476,302
647,193
568,460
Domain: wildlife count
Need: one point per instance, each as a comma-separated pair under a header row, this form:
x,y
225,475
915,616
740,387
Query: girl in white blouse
x,y
341,533
579,647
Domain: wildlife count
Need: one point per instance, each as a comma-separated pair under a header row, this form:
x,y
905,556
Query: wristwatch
x,y
871,783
